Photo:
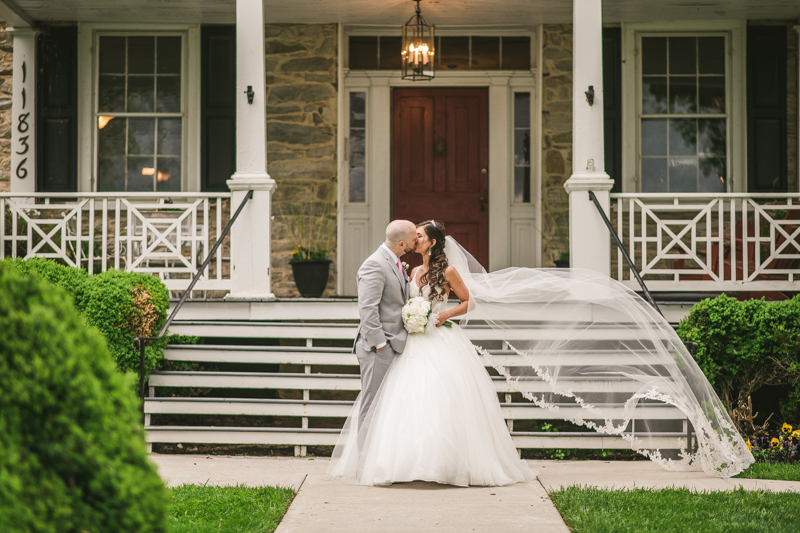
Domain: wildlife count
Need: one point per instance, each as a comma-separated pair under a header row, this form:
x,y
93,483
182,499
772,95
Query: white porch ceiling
x,y
395,12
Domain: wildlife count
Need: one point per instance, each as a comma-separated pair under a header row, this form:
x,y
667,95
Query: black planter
x,y
311,277
562,263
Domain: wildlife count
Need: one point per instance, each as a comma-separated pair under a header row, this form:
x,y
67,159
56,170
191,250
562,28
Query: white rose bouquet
x,y
417,314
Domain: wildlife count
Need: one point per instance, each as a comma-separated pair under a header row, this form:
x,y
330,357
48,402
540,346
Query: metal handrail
x,y
633,268
142,341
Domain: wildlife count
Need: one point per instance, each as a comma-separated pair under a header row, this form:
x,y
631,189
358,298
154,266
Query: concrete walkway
x,y
327,504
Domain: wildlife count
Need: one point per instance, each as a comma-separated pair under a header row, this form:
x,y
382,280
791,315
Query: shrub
x,y
122,305
73,453
744,346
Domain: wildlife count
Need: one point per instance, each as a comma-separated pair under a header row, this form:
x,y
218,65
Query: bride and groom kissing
x,y
428,410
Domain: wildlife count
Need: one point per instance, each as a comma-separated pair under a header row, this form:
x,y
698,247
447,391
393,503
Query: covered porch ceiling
x,y
391,12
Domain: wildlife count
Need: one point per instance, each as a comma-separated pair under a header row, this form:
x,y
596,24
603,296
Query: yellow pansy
x,y
786,428
775,442
796,433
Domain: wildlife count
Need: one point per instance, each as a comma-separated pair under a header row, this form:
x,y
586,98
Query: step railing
x,y
141,342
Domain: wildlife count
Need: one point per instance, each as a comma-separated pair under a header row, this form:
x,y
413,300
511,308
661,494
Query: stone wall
x,y
556,140
301,140
6,54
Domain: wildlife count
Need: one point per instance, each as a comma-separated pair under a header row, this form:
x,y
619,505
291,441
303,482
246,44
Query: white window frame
x,y
88,49
735,94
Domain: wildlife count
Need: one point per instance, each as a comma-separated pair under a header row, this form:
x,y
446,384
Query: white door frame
x,y
513,235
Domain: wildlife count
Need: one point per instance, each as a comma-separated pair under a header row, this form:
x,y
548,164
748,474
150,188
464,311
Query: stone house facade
x,y
333,115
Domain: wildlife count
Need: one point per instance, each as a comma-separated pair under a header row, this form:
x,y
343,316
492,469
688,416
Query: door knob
x,y
482,200
483,171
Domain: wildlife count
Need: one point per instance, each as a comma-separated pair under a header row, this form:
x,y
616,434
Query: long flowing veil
x,y
583,345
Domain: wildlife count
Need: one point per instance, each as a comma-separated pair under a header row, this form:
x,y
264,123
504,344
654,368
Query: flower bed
x,y
782,447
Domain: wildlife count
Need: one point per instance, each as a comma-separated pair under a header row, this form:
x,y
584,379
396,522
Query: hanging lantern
x,y
418,48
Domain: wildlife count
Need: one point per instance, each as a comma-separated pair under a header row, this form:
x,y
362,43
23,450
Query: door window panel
x,y
522,147
139,113
357,147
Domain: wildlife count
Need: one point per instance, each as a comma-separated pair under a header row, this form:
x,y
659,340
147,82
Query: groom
x,y
382,293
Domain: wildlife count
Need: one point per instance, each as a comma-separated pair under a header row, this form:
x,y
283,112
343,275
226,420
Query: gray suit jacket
x,y
382,293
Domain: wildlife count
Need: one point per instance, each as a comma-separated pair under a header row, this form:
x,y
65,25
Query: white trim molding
x,y
23,111
88,34
734,32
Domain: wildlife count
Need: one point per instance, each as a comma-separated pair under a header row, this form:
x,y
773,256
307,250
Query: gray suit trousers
x,y
373,369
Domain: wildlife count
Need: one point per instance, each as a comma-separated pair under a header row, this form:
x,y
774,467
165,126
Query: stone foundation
x,y
6,55
301,140
556,140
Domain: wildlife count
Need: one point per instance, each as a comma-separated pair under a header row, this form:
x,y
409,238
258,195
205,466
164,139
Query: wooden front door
x,y
440,142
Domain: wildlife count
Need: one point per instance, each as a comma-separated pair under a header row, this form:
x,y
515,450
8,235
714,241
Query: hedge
x,y
73,452
746,345
122,305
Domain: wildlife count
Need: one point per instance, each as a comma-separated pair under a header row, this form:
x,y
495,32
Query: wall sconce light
x,y
590,95
250,94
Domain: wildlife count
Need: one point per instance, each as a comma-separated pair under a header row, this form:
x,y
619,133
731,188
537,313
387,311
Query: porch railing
x,y
166,234
709,242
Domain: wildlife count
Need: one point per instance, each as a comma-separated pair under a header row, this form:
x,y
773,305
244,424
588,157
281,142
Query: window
x,y
139,113
452,53
357,147
522,147
683,114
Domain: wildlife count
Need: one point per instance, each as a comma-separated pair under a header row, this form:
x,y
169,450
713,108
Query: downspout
x,y
797,108
340,185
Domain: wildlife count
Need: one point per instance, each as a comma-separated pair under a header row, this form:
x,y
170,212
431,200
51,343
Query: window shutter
x,y
766,109
612,104
57,110
218,97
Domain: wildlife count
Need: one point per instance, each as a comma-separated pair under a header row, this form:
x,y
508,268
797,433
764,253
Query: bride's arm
x,y
456,284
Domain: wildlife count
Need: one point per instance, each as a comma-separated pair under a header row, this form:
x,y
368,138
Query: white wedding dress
x,y
436,417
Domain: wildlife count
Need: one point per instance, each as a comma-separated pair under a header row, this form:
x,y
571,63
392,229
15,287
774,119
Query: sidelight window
x,y
522,147
356,145
683,114
139,113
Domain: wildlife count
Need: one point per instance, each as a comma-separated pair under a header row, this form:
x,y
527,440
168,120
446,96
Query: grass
x,y
781,471
592,510
201,509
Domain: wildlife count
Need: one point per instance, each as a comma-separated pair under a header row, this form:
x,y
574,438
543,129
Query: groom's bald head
x,y
400,230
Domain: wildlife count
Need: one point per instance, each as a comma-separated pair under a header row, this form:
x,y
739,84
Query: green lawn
x,y
783,471
201,509
591,510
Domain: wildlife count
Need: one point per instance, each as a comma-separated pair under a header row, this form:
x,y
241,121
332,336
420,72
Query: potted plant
x,y
563,260
311,225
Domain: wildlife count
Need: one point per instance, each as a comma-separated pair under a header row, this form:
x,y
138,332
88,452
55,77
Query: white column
x,y
589,239
250,235
23,111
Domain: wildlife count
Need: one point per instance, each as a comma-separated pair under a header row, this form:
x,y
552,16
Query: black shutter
x,y
218,97
57,110
612,104
766,109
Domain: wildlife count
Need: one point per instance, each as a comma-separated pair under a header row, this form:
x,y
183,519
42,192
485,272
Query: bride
x,y
436,416
578,344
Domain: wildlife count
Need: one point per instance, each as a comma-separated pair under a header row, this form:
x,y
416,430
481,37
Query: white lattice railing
x,y
164,234
707,242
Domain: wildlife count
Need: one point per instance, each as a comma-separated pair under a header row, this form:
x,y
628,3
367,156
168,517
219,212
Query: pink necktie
x,y
399,266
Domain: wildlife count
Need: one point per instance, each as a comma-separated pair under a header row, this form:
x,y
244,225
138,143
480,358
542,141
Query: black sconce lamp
x,y
590,95
250,94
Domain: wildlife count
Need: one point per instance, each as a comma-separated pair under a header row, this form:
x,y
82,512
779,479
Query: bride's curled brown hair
x,y
434,277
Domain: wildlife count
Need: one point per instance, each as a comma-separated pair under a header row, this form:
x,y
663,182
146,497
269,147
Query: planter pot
x,y
311,277
562,263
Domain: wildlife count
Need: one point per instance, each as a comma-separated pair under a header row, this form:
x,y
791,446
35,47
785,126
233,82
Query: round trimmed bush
x,y
72,451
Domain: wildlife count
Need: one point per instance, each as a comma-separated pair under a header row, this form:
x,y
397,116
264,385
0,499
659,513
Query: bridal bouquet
x,y
417,314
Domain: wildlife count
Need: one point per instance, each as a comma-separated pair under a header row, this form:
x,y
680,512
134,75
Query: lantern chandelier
x,y
418,48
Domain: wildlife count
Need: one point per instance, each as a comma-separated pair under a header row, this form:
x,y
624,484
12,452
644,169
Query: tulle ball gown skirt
x,y
436,417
